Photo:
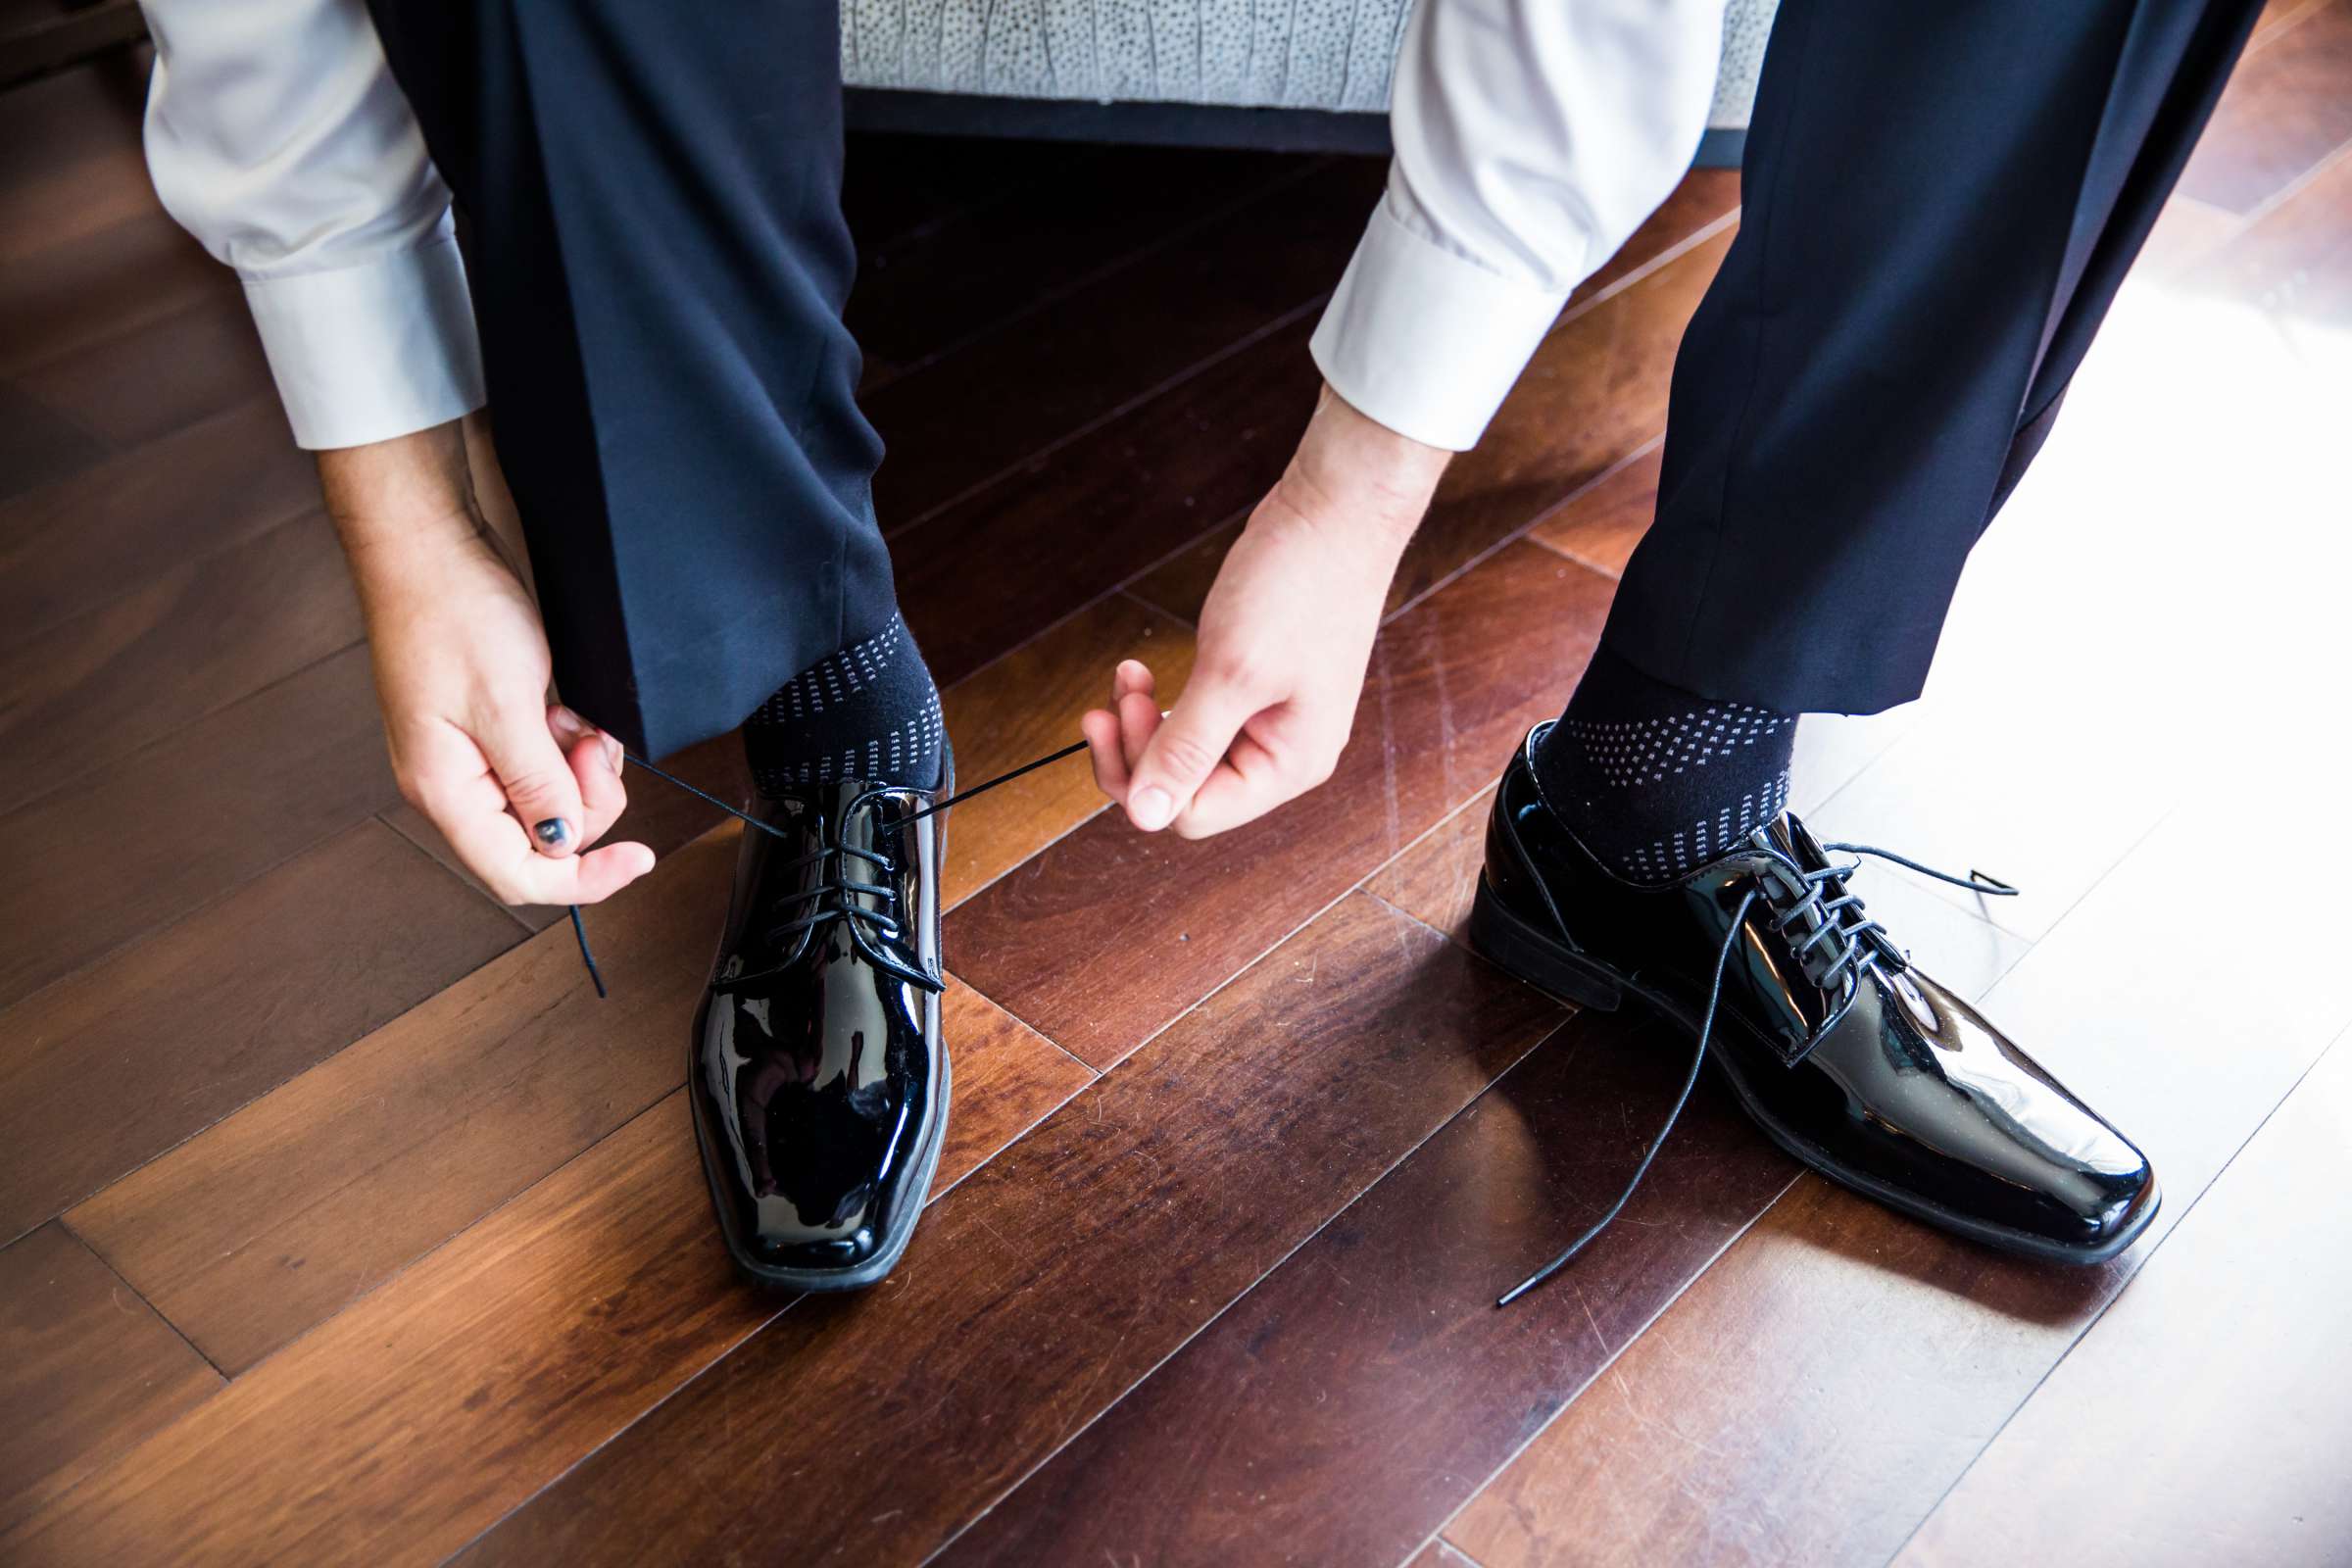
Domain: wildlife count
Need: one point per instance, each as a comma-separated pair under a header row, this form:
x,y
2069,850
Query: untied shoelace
x,y
1839,921
1831,923
579,928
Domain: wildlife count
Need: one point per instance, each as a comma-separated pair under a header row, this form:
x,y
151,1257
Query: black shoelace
x,y
1835,926
835,899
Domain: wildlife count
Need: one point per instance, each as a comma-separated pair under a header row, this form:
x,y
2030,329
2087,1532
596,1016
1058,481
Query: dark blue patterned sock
x,y
868,712
1656,781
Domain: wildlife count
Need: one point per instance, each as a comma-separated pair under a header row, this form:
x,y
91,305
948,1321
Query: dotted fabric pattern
x,y
1685,851
1295,54
1669,755
869,712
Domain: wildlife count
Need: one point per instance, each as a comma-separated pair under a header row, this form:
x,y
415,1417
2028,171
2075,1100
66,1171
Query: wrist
x,y
403,501
1354,471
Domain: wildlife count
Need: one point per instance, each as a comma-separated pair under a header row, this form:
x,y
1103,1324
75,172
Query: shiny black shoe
x,y
818,1076
1840,1050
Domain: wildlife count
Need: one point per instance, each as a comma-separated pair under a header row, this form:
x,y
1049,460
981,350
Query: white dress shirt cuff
x,y
1424,341
372,351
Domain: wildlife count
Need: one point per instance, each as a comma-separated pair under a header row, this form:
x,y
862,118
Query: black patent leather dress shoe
x,y
818,1078
1839,1048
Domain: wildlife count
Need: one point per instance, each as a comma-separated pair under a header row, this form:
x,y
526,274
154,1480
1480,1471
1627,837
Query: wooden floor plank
x,y
1073,215
2221,1373
76,291
1027,704
148,664
951,426
223,1006
515,1350
39,445
142,841
1772,1438
275,1217
151,380
1057,1274
1602,524
1110,933
115,527
421,1414
1593,394
2284,112
71,161
1348,1404
1104,507
85,1369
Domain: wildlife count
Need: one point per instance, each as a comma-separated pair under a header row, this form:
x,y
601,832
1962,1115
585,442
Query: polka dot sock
x,y
869,712
1657,781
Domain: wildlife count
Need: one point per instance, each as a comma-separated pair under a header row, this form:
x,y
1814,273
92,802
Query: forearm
x,y
401,501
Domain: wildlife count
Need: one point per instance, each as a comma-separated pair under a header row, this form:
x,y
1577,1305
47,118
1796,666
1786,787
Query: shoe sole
x,y
1521,949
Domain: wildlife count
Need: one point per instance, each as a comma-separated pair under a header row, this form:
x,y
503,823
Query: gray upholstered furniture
x,y
1293,71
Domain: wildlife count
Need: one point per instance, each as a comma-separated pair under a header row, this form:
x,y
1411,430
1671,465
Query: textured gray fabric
x,y
1295,54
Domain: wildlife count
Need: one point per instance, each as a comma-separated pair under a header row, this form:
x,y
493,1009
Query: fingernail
x,y
1150,807
555,832
566,724
613,756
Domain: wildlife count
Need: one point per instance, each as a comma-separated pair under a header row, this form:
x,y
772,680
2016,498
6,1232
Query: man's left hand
x,y
1285,638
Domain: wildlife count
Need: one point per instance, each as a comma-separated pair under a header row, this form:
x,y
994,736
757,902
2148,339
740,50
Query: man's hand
x,y
519,788
1284,637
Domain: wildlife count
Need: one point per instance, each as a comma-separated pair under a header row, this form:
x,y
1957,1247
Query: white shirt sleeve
x,y
277,137
1532,138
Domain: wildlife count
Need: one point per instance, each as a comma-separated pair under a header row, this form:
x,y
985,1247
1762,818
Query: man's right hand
x,y
520,789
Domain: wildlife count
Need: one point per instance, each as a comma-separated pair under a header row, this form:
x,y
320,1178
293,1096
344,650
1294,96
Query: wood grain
x,y
70,156
952,427
148,664
1774,1367
117,525
85,1368
142,842
1057,1274
1110,933
2236,1450
39,445
147,382
1594,393
1103,507
79,290
1600,526
1007,1078
110,1067
1027,704
2284,111
1357,1396
419,1414
277,1218
1436,879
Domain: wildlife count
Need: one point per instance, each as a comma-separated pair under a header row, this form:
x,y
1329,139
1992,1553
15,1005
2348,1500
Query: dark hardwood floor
x,y
339,1221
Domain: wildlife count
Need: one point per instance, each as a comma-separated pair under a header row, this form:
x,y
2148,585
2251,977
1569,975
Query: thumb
x,y
537,777
1185,750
